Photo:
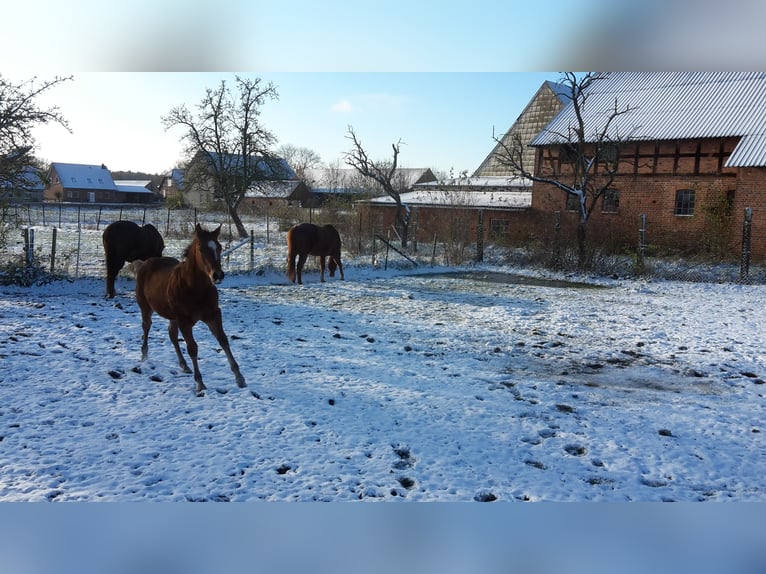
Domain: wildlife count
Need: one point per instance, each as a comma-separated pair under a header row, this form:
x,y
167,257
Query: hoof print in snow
x,y
535,464
406,482
565,408
485,497
406,460
284,469
156,378
575,449
136,370
664,432
115,374
222,390
653,482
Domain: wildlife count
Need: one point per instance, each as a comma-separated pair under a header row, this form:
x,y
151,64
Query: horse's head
x,y
209,250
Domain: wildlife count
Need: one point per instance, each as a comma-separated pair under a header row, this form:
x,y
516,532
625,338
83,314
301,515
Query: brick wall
x,y
650,175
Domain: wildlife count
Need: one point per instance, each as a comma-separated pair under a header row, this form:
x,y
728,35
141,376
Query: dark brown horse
x,y
307,239
126,241
185,293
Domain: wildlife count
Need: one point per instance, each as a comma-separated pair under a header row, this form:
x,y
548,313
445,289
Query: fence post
x,y
744,268
29,246
640,263
480,237
53,250
556,240
252,248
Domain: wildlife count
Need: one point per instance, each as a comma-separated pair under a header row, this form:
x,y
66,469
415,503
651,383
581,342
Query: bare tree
x,y
19,114
301,159
383,173
226,135
587,153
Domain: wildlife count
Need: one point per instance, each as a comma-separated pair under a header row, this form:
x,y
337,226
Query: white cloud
x,y
343,106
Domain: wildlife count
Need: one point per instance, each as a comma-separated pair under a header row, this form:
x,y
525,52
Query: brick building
x,y
693,161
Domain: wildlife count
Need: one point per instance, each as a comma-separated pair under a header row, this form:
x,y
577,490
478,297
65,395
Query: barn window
x,y
685,202
573,202
610,201
499,228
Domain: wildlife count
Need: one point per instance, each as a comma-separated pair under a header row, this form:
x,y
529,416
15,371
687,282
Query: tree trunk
x,y
401,222
238,222
581,253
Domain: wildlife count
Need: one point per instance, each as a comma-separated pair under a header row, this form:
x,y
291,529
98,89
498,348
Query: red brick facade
x,y
649,177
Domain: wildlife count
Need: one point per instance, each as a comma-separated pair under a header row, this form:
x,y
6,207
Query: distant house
x,y
83,183
346,185
201,188
172,185
498,206
269,194
137,191
26,187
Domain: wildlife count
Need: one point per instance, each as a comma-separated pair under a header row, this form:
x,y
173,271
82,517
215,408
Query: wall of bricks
x,y
649,176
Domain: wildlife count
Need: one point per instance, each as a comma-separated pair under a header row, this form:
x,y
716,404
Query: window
x,y
573,202
685,202
499,228
610,202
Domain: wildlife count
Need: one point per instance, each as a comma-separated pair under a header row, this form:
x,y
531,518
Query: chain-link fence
x,y
65,240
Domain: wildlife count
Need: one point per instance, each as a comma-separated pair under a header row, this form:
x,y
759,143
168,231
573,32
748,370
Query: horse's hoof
x,y
241,383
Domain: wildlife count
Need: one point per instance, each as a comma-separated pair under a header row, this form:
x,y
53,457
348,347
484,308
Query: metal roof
x,y
83,176
673,106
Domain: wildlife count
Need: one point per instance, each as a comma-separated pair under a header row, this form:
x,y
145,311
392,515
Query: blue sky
x,y
440,75
444,120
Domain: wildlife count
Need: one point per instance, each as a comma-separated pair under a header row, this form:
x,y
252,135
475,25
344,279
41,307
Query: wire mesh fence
x,y
65,240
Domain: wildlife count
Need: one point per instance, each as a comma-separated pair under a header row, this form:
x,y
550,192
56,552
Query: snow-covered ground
x,y
419,385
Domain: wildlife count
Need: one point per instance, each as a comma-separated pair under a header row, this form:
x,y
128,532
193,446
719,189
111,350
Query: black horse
x,y
307,239
126,241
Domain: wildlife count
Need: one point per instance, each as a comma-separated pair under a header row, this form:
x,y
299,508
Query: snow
x,y
479,384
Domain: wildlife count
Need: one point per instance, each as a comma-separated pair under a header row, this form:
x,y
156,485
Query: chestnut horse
x,y
126,241
307,239
184,292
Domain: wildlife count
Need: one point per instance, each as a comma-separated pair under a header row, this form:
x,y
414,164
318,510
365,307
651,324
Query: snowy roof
x,y
83,176
675,105
481,192
128,188
28,179
273,190
133,182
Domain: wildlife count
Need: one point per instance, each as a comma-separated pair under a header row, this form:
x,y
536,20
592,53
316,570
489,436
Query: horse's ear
x,y
217,230
197,229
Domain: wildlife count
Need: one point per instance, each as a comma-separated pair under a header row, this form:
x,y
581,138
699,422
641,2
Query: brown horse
x,y
185,293
126,241
307,239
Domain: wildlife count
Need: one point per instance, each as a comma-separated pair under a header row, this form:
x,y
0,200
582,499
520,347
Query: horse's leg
x,y
340,266
146,324
173,334
113,267
301,261
192,349
321,267
291,266
216,328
